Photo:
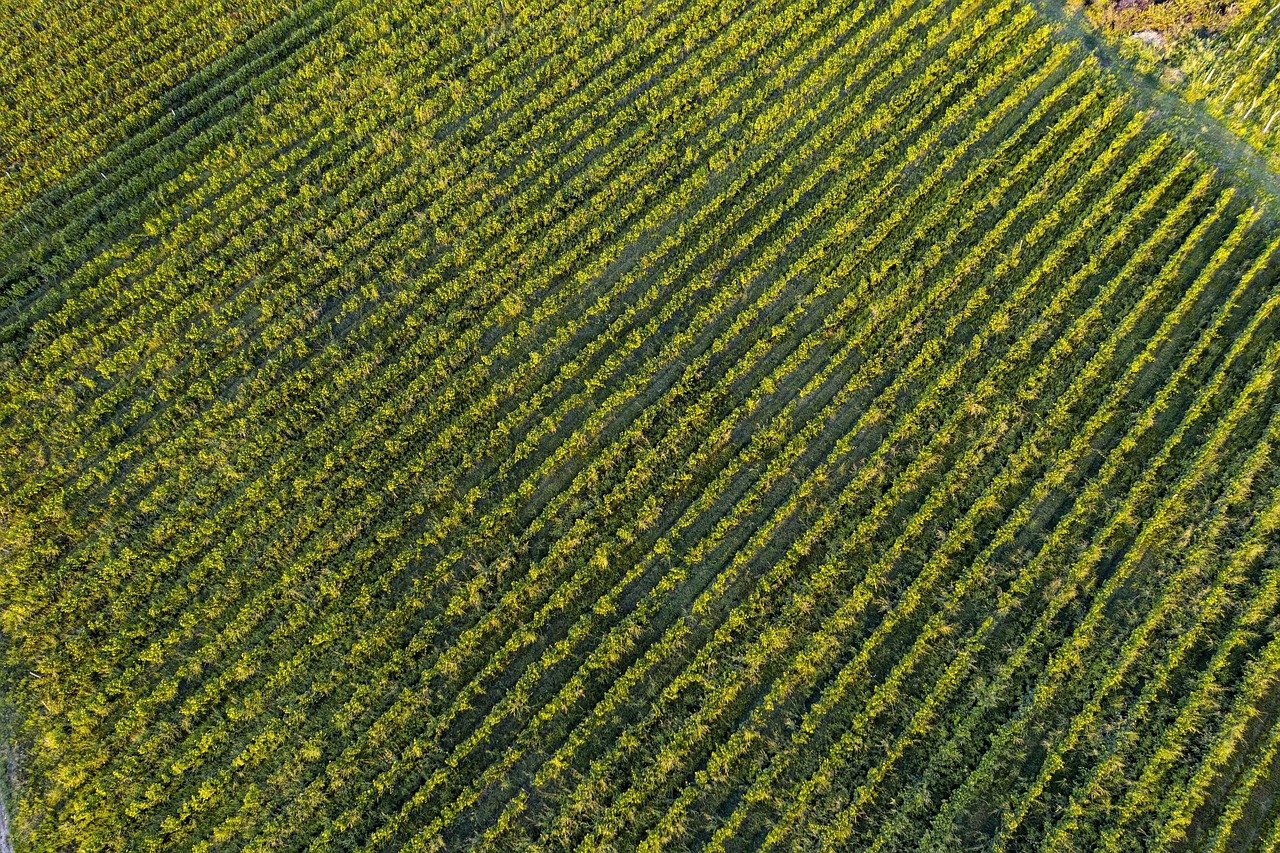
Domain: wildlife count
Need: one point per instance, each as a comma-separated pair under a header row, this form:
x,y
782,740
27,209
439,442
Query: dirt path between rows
x,y
6,845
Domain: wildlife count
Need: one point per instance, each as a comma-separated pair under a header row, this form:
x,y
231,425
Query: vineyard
x,y
638,425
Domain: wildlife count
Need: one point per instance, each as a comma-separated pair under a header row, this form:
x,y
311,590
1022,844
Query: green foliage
x,y
638,426
1236,78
